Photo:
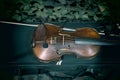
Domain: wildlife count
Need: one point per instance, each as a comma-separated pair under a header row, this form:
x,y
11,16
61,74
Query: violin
x,y
50,42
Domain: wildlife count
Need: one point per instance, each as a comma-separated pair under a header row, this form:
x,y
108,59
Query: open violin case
x,y
59,40
21,59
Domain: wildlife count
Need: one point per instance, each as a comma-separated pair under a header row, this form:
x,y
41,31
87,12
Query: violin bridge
x,y
63,37
63,40
53,40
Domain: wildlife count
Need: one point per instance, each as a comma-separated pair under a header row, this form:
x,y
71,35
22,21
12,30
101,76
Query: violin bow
x,y
103,42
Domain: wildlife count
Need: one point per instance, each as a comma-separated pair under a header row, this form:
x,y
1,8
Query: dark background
x,y
16,52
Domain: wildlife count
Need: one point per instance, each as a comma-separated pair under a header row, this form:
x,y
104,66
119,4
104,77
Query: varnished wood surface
x,y
55,51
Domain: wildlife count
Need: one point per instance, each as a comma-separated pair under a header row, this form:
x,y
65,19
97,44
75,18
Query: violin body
x,y
60,42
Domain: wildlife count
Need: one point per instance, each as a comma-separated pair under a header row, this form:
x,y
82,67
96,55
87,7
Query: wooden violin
x,y
50,42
